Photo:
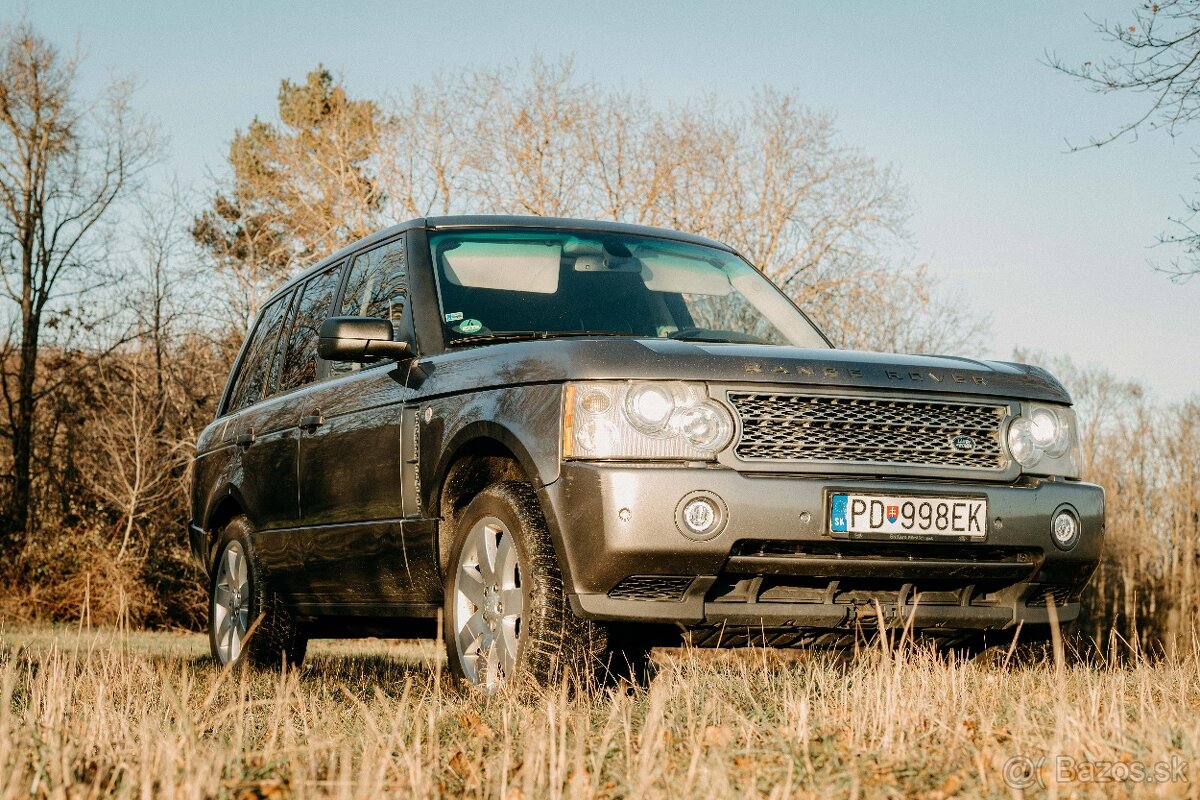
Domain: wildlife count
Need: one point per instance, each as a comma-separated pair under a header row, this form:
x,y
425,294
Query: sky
x,y
1051,245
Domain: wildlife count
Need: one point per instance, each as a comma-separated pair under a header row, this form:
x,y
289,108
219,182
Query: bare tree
x,y
422,155
63,163
525,139
825,222
132,471
1159,57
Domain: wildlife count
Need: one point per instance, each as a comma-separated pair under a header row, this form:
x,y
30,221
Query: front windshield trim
x,y
773,317
519,336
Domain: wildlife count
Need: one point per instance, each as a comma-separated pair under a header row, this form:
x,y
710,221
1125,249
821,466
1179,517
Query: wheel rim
x,y
488,605
231,603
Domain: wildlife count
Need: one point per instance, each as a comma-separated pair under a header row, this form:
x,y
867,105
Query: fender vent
x,y
669,588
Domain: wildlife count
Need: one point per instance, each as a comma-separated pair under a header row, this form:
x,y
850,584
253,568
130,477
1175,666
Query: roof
x,y
567,223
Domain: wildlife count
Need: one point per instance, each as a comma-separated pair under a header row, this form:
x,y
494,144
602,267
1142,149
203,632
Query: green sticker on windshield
x,y
470,326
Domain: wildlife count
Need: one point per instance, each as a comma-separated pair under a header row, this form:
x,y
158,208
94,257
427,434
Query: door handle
x,y
245,439
311,422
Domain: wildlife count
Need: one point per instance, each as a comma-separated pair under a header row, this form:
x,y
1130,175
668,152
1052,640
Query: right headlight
x,y
670,420
1043,440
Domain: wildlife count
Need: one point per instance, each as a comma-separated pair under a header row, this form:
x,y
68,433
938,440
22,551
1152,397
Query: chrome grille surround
x,y
828,429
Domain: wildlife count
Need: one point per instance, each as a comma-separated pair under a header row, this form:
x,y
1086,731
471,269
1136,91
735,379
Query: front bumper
x,y
776,565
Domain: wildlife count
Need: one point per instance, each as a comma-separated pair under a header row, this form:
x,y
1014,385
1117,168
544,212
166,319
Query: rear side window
x,y
255,374
300,361
377,287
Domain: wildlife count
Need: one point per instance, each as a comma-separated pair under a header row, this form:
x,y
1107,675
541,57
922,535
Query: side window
x,y
377,287
313,307
254,380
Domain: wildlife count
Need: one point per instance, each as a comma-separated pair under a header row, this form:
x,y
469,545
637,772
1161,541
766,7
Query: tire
x,y
506,620
237,597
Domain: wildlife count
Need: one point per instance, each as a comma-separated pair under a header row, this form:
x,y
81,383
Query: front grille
x,y
651,587
823,429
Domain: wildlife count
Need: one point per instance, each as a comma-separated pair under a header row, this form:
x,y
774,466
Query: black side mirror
x,y
361,339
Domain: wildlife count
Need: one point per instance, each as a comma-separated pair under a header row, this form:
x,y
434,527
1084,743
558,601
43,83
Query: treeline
x,y
128,305
1146,454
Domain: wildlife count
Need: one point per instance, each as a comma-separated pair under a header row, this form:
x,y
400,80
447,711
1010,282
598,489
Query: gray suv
x,y
572,440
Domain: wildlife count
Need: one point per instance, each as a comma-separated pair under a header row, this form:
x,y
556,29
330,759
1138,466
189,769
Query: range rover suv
x,y
572,440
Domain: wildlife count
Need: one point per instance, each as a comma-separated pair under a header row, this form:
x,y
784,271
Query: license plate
x,y
912,516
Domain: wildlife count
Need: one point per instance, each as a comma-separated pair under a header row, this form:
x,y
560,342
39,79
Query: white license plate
x,y
925,516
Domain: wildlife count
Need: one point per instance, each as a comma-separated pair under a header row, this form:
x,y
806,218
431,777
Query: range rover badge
x,y
964,443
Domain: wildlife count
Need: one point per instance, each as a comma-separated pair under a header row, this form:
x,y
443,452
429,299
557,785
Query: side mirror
x,y
361,339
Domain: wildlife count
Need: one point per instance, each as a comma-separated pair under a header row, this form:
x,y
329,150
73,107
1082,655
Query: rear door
x,y
263,427
287,550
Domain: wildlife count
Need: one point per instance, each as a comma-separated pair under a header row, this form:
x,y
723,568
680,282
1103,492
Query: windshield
x,y
516,283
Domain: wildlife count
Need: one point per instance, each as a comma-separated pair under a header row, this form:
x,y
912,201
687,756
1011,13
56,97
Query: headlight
x,y
643,420
650,406
1043,441
1050,431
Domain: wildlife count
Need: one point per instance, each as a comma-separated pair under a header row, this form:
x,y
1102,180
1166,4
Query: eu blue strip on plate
x,y
837,514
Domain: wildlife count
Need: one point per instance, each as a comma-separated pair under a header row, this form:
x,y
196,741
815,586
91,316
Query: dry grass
x,y
141,714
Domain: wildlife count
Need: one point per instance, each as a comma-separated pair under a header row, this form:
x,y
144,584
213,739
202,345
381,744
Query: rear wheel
x,y
506,618
238,598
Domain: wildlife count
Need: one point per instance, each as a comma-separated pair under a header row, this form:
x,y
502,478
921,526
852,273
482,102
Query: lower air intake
x,y
652,587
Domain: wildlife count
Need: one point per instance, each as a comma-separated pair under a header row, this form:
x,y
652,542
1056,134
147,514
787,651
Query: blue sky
x,y
1051,245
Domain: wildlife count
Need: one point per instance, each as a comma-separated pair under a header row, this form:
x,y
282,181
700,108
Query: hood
x,y
553,360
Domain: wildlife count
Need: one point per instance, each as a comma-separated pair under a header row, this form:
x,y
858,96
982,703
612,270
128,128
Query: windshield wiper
x,y
516,336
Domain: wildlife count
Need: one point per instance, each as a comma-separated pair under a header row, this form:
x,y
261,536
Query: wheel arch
x,y
221,512
483,437
480,455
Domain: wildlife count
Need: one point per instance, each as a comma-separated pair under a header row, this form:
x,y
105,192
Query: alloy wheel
x,y
231,603
488,604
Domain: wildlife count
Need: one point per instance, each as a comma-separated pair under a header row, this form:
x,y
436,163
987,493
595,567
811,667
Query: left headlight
x,y
670,420
1044,442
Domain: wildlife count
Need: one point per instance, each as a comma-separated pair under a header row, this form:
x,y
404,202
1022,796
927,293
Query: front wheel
x,y
239,599
506,616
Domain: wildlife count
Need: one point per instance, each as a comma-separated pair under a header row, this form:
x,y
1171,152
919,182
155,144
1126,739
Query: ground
x,y
90,712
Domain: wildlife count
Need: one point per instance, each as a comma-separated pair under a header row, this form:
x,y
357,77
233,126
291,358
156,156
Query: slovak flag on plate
x,y
893,512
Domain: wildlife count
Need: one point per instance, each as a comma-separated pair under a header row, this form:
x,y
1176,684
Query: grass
x,y
88,713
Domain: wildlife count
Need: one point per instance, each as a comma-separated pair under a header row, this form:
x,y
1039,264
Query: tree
x,y
299,189
63,164
1159,56
770,176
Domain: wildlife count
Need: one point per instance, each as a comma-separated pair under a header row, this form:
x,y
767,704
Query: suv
x,y
568,440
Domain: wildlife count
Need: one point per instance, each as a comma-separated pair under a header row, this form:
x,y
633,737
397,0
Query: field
x,y
89,713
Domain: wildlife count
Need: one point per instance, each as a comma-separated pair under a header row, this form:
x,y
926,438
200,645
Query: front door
x,y
350,491
351,498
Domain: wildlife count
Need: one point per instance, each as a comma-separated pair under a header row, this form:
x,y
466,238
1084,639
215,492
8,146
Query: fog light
x,y
700,515
1065,529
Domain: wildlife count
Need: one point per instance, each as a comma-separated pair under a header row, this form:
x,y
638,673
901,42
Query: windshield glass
x,y
498,284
